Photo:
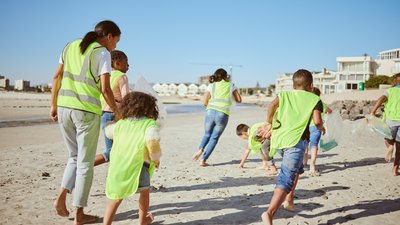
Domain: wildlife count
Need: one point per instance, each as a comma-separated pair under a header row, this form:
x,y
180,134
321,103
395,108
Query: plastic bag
x,y
142,85
378,126
333,131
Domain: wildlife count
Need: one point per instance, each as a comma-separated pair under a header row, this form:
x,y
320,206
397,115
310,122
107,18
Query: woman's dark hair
x,y
316,91
117,55
220,74
102,29
138,104
241,128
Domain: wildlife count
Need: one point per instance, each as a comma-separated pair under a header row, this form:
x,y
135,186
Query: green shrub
x,y
375,81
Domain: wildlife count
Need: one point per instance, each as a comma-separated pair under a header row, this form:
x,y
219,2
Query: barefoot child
x,y
315,136
290,114
135,153
258,141
120,87
392,117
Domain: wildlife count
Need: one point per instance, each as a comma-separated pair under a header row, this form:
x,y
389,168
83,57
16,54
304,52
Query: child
x,y
135,153
290,114
392,118
258,141
315,136
120,87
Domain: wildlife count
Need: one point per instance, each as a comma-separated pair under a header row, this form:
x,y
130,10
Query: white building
x,y
21,85
4,83
172,89
158,88
351,72
193,90
202,88
182,89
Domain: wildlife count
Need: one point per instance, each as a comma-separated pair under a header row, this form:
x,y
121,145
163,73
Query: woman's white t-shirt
x,y
100,64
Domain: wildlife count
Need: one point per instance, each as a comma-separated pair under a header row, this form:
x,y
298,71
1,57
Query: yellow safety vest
x,y
291,118
127,157
254,144
115,75
220,96
392,106
79,88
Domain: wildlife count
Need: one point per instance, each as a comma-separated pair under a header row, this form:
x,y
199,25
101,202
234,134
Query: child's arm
x,y
318,120
153,144
378,103
206,97
244,158
271,111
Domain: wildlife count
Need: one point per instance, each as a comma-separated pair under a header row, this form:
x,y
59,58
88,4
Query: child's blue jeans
x,y
292,164
105,118
214,125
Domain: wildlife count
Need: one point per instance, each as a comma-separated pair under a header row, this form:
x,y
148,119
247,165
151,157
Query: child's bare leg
x,y
396,160
99,160
289,200
197,155
111,209
305,157
145,217
390,147
276,201
82,218
314,152
60,203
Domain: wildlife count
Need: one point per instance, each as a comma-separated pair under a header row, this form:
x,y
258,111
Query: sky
x,y
180,40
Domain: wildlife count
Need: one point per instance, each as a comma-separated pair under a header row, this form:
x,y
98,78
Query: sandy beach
x,y
356,185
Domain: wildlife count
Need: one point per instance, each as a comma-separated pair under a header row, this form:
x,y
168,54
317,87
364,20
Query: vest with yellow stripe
x,y
392,106
79,88
220,96
291,118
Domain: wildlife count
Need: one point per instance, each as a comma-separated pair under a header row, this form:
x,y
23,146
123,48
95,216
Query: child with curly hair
x,y
134,155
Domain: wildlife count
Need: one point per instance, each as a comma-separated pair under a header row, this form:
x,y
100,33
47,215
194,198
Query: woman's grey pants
x,y
80,130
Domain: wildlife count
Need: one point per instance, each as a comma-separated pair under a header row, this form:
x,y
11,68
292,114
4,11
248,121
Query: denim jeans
x,y
292,164
105,118
214,125
80,131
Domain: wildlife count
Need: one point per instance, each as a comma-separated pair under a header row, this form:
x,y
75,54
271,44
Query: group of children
x,y
293,125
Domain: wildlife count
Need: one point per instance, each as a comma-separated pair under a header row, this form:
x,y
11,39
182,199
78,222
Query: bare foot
x,y
86,219
149,219
270,173
389,154
266,218
203,163
288,206
61,209
197,155
395,172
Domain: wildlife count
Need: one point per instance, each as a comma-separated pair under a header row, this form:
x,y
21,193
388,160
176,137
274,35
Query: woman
x,y
218,100
82,75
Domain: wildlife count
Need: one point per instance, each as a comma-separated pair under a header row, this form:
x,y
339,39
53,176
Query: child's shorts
x,y
315,136
144,180
292,164
265,149
395,133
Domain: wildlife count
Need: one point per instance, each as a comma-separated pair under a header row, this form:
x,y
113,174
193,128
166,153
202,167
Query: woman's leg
x,y
221,120
111,209
208,128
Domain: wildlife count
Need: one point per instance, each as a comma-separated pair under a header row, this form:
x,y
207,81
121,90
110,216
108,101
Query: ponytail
x,y
220,74
89,38
211,79
102,29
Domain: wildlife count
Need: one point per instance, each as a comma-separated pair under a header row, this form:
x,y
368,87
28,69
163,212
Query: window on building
x,y
359,77
348,86
342,77
352,77
354,86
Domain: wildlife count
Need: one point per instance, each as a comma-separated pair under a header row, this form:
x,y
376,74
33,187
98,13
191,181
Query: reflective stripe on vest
x,y
127,157
115,75
392,106
79,88
291,118
220,96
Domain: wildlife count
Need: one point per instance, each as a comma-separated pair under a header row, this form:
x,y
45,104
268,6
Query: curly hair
x,y
219,74
117,55
138,104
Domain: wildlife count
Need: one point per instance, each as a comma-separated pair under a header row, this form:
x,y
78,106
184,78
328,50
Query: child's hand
x,y
157,163
241,166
